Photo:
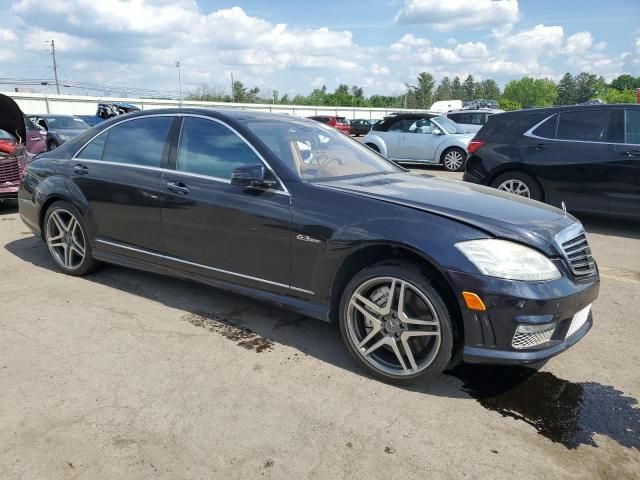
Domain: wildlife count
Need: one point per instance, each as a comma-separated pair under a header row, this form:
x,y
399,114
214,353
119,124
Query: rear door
x,y
625,197
119,174
212,228
571,153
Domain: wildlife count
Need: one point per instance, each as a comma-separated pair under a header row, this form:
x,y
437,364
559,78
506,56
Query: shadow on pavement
x,y
564,412
8,206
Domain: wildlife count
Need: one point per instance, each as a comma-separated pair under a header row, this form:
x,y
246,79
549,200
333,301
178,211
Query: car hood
x,y
12,119
497,213
70,132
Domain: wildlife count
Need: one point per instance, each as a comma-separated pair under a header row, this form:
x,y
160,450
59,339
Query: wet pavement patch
x,y
564,412
243,336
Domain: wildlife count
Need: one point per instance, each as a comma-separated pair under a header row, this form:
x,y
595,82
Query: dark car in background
x,y
360,126
339,123
109,110
13,153
416,270
585,157
91,120
59,128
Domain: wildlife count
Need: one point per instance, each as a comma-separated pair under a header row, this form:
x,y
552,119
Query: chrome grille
x,y
574,245
9,170
523,340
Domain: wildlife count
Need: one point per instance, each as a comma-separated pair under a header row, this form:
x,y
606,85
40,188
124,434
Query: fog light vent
x,y
579,319
530,336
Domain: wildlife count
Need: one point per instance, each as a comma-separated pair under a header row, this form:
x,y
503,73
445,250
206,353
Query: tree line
x,y
421,94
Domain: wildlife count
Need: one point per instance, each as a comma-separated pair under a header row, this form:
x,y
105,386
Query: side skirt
x,y
299,306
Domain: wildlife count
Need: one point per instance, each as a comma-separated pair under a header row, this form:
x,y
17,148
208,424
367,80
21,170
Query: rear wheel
x,y
454,159
66,236
518,183
396,324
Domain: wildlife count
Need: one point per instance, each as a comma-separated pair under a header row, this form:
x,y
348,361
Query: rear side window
x,y
137,142
209,148
456,117
547,129
396,126
95,148
590,126
632,128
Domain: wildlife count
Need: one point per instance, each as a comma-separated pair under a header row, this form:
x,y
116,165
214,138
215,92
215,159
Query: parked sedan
x,y
416,270
60,128
587,157
360,126
420,138
13,154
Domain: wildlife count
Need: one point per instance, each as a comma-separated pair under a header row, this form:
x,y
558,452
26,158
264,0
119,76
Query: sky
x,y
296,46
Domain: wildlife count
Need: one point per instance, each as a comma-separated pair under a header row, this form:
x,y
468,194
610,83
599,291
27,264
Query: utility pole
x,y
55,66
179,83
231,87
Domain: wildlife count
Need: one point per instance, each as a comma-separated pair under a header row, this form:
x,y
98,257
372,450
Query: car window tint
x,y
632,129
209,148
138,142
396,127
456,117
591,125
476,119
95,148
547,129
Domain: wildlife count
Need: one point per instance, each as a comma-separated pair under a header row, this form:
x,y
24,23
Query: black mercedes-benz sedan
x,y
417,271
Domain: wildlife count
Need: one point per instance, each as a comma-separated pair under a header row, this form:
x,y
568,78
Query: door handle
x,y
178,187
81,169
538,146
631,153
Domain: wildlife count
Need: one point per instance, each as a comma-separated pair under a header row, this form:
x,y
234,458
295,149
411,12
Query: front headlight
x,y
509,260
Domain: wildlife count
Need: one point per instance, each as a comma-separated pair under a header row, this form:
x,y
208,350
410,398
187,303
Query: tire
x,y
65,233
365,324
454,159
518,183
52,145
373,147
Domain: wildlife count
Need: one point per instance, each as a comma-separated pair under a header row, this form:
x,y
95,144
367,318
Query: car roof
x,y
563,108
476,110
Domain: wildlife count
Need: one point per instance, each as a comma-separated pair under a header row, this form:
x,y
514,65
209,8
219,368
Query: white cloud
x,y
472,50
580,42
7,35
459,14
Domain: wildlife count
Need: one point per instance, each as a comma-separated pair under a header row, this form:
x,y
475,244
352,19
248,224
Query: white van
x,y
446,105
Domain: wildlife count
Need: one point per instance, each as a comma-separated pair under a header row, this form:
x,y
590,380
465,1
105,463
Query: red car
x,y
339,123
13,154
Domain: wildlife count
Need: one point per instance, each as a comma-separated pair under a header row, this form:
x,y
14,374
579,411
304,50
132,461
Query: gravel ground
x,y
131,375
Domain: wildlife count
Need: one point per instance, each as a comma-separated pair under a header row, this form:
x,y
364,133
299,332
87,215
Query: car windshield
x,y
66,123
447,125
318,153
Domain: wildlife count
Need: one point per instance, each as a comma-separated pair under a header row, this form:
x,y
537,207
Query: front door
x,y
625,197
213,228
417,142
119,174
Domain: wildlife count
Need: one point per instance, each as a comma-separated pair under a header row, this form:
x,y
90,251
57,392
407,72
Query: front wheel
x,y
67,240
454,159
396,324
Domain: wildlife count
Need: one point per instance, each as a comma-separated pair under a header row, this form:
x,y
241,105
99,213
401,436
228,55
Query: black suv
x,y
585,156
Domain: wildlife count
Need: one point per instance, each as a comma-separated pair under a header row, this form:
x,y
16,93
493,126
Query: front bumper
x,y
9,190
488,335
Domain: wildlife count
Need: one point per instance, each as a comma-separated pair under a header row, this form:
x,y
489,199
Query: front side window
x,y
632,127
590,125
316,153
422,125
209,148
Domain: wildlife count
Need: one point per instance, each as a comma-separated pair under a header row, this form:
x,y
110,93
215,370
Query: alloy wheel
x,y
65,239
393,326
453,160
517,187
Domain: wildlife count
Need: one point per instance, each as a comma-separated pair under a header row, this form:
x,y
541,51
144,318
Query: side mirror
x,y
250,176
436,131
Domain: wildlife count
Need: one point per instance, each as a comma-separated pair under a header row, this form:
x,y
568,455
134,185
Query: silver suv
x,y
472,120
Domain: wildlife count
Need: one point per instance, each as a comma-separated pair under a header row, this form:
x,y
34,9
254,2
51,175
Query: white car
x,y
472,120
420,138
